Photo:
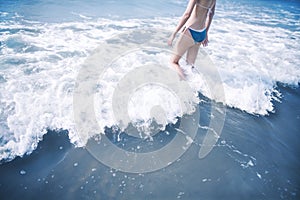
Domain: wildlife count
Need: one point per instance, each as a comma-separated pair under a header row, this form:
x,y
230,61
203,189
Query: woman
x,y
196,21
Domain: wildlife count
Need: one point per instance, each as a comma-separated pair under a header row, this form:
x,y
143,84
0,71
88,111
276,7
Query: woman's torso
x,y
198,16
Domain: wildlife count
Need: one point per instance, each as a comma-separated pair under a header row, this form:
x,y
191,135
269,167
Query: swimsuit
x,y
208,8
199,35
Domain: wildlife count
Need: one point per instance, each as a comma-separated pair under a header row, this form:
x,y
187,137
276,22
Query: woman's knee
x,y
175,60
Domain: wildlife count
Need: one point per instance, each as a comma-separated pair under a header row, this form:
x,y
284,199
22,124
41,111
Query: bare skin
x,y
194,17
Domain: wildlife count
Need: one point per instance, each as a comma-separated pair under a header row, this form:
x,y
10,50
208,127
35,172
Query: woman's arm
x,y
210,17
183,20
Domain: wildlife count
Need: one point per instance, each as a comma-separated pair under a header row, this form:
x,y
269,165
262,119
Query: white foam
x,y
149,100
37,92
251,60
40,65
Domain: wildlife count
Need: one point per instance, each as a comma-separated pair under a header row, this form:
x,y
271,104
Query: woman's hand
x,y
205,41
171,38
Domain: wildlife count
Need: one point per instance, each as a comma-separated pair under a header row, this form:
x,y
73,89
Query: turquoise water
x,y
44,44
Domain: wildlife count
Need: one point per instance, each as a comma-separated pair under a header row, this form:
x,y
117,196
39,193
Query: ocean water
x,y
44,45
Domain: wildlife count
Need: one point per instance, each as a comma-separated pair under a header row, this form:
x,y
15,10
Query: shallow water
x,y
43,46
255,158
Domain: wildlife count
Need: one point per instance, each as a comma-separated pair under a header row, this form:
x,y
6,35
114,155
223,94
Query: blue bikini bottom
x,y
198,36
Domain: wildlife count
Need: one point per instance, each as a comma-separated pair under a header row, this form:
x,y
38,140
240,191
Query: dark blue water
x,y
256,157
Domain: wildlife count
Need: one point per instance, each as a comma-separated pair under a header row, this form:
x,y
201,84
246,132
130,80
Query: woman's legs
x,y
184,43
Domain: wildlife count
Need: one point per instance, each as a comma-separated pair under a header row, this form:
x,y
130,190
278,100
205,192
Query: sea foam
x,y
40,63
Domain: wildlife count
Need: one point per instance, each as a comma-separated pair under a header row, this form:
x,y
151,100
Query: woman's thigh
x,y
192,53
183,43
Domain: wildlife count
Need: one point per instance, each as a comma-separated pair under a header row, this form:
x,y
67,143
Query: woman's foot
x,y
180,73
